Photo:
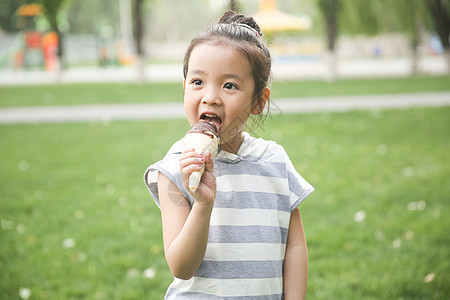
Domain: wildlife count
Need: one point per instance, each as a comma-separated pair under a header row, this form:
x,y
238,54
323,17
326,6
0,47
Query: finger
x,y
188,150
209,163
187,171
186,161
188,154
190,162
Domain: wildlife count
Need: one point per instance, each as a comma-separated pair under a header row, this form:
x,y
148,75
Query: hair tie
x,y
248,27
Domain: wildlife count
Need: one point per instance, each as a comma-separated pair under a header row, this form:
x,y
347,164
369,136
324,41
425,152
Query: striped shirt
x,y
257,189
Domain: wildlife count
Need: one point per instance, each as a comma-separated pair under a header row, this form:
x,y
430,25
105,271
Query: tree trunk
x,y
59,52
415,41
60,57
330,11
331,65
441,18
447,59
331,23
138,33
414,60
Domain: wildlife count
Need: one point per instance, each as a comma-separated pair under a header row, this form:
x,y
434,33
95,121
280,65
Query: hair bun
x,y
233,17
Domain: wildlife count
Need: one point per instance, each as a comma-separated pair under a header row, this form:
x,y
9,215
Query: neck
x,y
234,144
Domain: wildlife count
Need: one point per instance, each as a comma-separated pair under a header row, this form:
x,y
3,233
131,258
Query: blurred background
x,y
91,94
309,38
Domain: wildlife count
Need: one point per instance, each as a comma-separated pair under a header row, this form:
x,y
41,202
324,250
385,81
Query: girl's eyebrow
x,y
233,76
225,76
199,72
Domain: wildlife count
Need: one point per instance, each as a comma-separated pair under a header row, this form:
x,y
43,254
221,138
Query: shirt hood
x,y
252,149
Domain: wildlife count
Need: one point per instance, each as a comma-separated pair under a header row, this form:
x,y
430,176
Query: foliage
x,y
440,10
81,15
8,8
382,16
78,223
8,18
405,16
52,8
359,17
330,10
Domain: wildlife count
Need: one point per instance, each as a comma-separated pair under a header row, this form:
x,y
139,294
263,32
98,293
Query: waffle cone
x,y
202,143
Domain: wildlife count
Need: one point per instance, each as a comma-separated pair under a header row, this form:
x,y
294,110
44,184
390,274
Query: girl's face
x,y
219,87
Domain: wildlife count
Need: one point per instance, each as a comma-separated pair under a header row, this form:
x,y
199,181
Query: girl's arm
x,y
295,270
185,229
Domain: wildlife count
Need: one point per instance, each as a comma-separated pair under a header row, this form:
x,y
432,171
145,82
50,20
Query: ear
x,y
264,97
184,85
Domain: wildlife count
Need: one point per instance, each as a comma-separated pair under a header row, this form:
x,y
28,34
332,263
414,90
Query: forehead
x,y
221,57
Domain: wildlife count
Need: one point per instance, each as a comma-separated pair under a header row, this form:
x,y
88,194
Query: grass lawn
x,y
78,223
173,92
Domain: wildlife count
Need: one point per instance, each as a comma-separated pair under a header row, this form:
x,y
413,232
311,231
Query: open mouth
x,y
212,117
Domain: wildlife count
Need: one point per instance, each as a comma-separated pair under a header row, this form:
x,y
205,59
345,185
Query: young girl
x,y
240,235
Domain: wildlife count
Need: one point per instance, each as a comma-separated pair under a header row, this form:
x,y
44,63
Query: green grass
x,y
84,182
79,94
172,92
299,89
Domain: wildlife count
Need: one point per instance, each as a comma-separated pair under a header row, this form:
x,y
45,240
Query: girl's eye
x,y
197,82
230,86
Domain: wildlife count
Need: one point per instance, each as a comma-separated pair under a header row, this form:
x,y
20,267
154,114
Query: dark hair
x,y
244,35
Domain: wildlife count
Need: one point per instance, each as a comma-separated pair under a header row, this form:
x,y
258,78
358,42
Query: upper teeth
x,y
210,116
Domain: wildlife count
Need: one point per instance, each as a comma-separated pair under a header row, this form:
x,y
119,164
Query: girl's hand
x,y
191,161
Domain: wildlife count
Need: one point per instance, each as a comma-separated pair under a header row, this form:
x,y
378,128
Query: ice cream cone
x,y
202,138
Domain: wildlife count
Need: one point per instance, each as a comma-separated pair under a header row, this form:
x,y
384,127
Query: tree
x,y
234,5
330,11
8,18
407,17
411,16
138,34
85,17
362,17
440,12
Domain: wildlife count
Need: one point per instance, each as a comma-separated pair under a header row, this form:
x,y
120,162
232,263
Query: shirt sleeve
x,y
299,188
169,166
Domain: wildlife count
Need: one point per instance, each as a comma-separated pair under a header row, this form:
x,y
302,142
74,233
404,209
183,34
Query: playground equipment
x,y
34,48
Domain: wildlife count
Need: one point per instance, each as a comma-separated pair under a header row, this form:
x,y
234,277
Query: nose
x,y
211,97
